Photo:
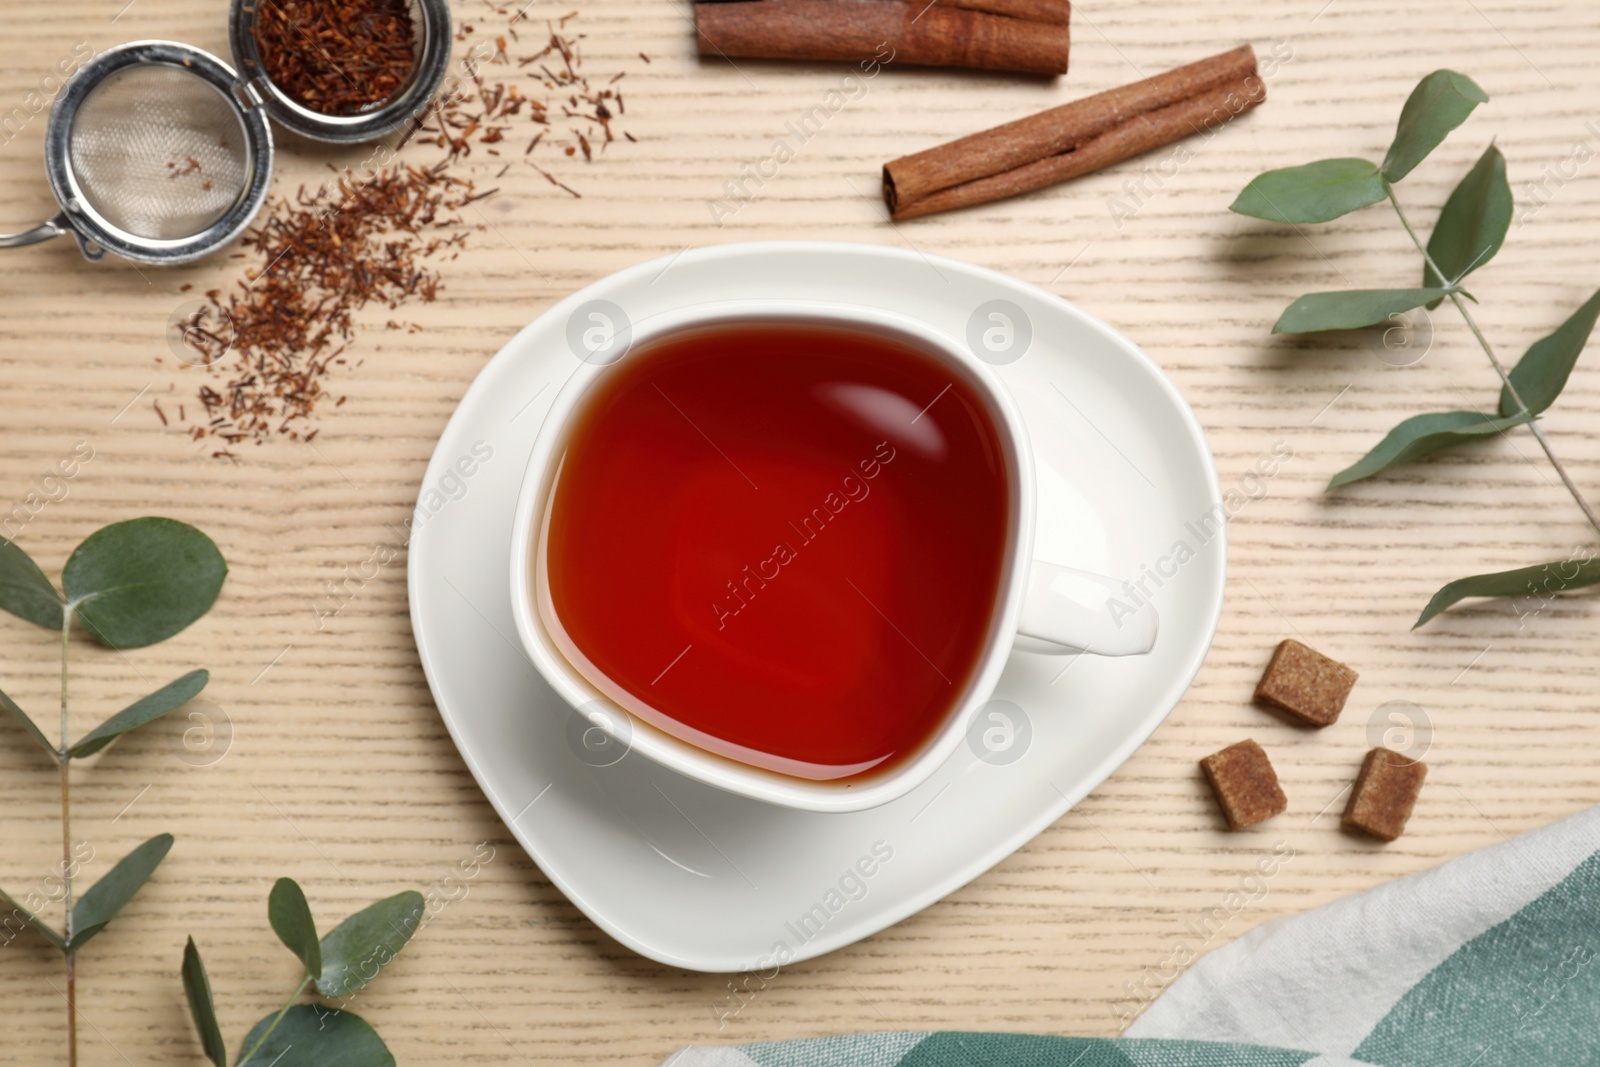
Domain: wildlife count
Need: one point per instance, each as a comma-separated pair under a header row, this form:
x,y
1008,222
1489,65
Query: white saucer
x,y
697,878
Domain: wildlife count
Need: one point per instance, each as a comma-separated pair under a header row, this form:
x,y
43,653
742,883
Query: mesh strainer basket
x,y
161,153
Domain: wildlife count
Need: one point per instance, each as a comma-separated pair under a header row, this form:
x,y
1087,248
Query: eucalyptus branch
x,y
1499,368
66,847
1471,228
133,584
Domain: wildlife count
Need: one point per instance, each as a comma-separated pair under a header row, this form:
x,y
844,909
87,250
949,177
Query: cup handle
x,y
1066,610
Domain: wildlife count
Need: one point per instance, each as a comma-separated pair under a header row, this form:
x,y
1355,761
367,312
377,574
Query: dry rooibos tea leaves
x,y
336,57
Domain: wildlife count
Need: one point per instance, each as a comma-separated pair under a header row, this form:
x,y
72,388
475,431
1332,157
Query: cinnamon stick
x,y
941,34
1076,138
1057,11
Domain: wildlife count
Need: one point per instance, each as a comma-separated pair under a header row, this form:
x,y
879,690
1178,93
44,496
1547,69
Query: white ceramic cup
x,y
1040,607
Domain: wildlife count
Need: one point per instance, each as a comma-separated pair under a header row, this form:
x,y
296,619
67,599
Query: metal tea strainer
x,y
160,153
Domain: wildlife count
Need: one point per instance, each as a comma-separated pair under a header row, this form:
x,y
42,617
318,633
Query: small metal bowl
x,y
432,52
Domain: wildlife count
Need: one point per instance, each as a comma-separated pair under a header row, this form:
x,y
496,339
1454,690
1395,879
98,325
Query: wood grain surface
x,y
339,771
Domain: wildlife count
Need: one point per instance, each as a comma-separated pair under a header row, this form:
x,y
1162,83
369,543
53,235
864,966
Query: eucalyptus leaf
x,y
357,949
44,928
1473,224
1314,192
24,590
312,1036
291,920
1423,435
29,725
168,697
197,991
1537,581
138,582
1542,373
106,897
1350,309
1440,102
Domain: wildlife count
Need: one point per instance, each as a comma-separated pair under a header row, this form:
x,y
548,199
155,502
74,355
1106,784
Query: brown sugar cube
x,y
1245,784
1385,792
1305,683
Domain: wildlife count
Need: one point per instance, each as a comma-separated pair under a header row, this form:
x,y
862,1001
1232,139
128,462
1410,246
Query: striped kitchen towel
x,y
1491,960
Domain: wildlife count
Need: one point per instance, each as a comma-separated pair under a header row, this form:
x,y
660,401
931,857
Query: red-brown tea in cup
x,y
781,541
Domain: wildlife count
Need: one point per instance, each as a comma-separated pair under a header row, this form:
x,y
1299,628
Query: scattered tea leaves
x,y
1537,581
317,258
106,897
291,920
1350,309
1315,192
1542,373
1440,102
279,339
170,696
24,590
1423,435
197,991
356,949
138,582
309,1035
1473,224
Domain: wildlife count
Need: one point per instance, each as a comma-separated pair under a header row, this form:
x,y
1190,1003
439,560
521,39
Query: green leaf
x,y
197,990
1542,373
313,1036
33,920
107,896
1315,192
356,949
1546,578
291,920
1350,309
1423,435
1440,102
170,696
29,725
1473,224
138,582
24,590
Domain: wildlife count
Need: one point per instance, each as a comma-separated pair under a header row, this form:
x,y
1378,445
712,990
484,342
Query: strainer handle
x,y
43,232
